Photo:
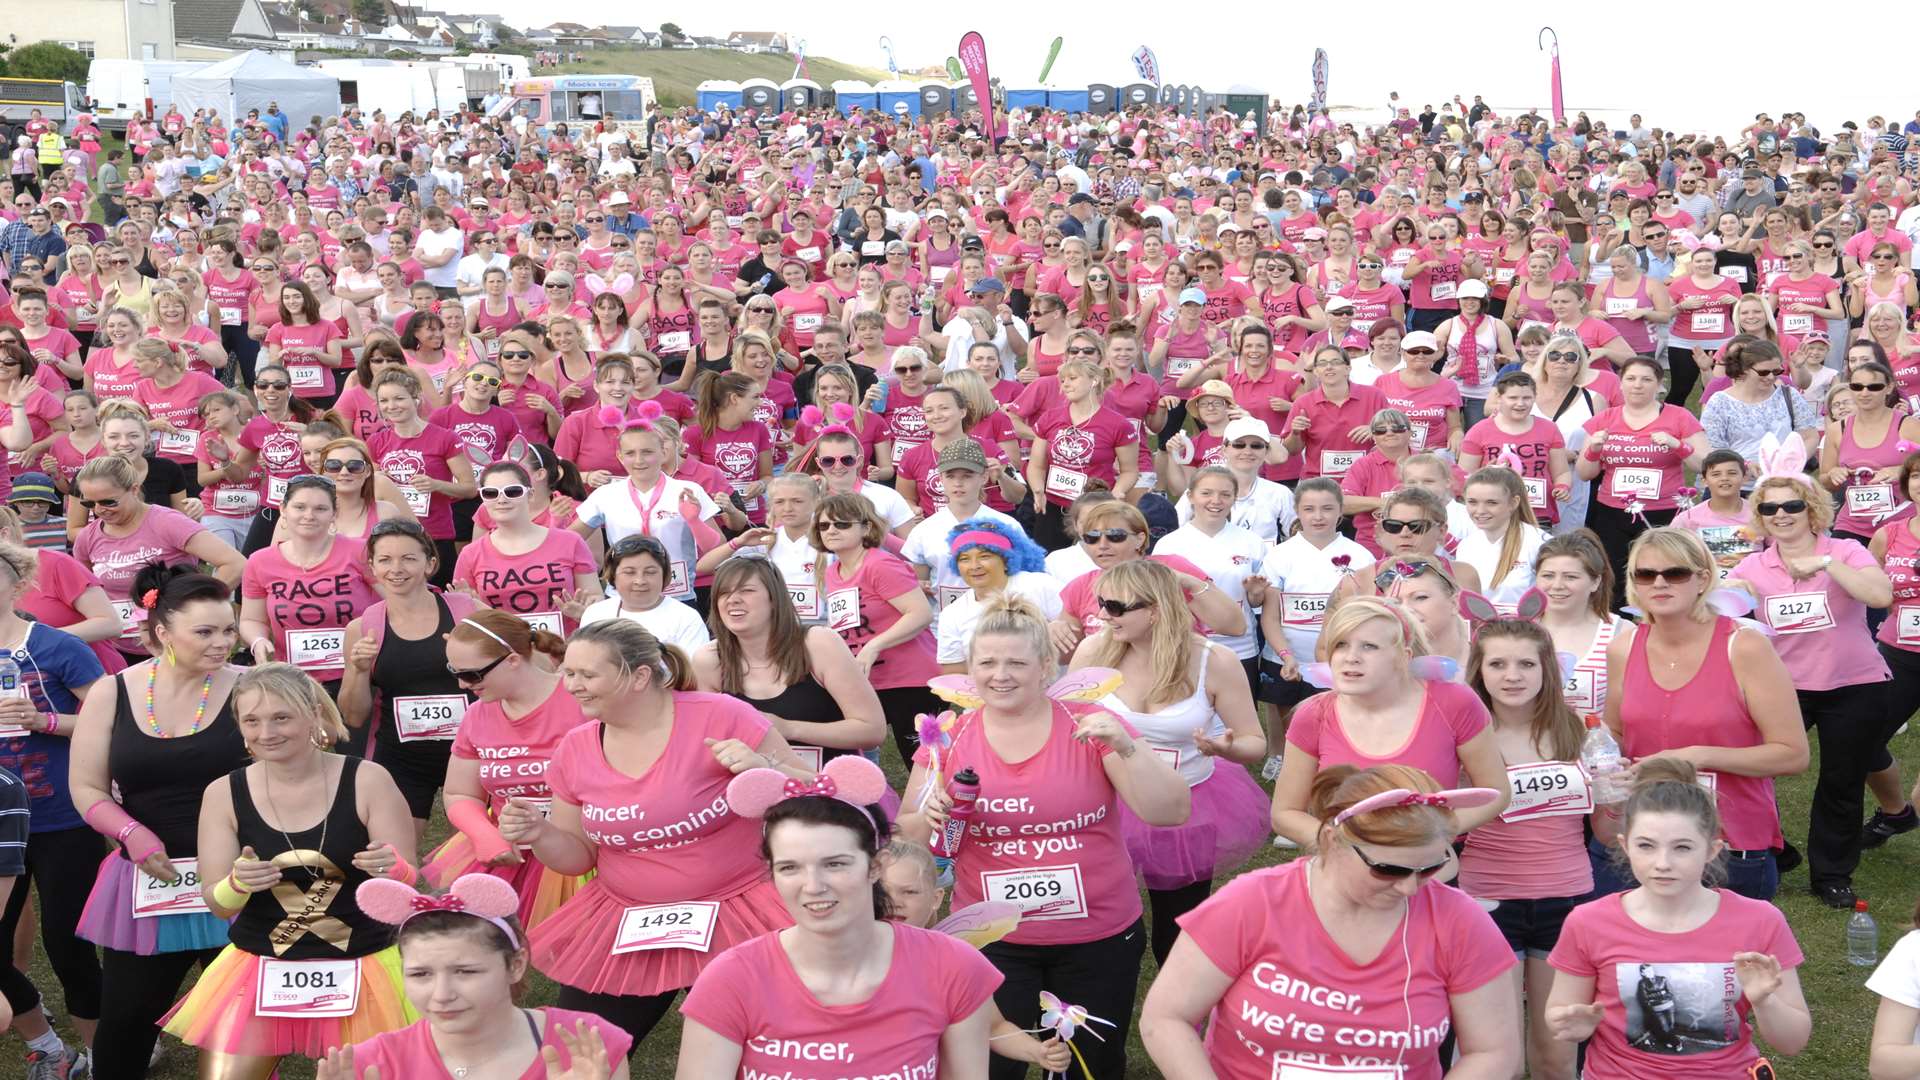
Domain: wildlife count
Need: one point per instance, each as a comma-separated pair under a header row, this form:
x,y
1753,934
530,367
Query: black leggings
x,y
1617,530
62,864
1101,976
1050,525
139,991
260,533
1853,725
245,352
1903,697
634,1015
902,707
1682,374
1168,905
443,574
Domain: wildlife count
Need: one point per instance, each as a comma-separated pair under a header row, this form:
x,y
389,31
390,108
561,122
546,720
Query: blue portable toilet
x,y
717,92
894,93
851,94
1030,98
1069,101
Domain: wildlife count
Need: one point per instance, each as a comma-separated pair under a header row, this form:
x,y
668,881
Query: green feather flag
x,y
1052,55
953,68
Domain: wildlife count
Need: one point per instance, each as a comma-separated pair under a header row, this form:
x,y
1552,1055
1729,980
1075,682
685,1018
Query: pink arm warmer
x,y
114,823
470,817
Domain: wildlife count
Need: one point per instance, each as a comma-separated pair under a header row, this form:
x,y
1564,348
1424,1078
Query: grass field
x,y
1842,1010
675,72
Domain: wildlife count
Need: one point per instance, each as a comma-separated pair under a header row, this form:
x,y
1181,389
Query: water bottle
x,y
965,791
1601,756
10,677
1863,937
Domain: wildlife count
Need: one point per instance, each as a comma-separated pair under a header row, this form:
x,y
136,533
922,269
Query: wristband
x,y
402,870
53,723
230,894
1589,454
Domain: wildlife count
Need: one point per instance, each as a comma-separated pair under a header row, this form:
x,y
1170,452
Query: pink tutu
x,y
107,919
542,892
574,947
1230,822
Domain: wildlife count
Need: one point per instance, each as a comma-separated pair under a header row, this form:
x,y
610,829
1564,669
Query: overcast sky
x,y
1681,71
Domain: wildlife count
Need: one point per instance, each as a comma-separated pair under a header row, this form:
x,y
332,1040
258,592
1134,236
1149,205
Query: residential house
x,y
631,35
108,29
757,41
572,35
214,29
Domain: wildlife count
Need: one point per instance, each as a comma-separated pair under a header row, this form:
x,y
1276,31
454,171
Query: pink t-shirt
x,y
534,585
1426,409
1687,977
533,421
178,405
304,601
403,457
752,996
860,608
57,585
1633,468
1079,451
1534,449
1450,716
279,448
1327,446
1372,476
161,536
110,377
1820,630
1045,834
666,835
411,1050
303,354
514,755
1296,996
928,487
1081,597
488,433
736,453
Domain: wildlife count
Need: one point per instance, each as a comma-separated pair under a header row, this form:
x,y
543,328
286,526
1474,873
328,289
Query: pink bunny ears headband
x,y
1452,799
852,779
640,418
482,896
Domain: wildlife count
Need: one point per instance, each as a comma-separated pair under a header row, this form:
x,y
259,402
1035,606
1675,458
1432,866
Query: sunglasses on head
x,y
1402,569
469,678
1671,575
353,467
1117,608
510,491
1111,536
1791,506
1394,872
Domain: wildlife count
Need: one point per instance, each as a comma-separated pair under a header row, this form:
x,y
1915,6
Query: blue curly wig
x,y
1022,555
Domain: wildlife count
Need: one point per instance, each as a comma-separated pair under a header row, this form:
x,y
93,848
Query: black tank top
x,y
805,702
160,781
311,914
408,668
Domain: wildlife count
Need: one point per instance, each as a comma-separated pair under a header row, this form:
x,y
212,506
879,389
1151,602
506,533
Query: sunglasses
x,y
842,461
272,386
1083,350
1111,536
516,354
908,369
1829,247
511,491
1396,526
1371,265
1670,575
104,504
1403,569
1421,352
843,526
1767,373
1878,258
1562,357
470,678
1871,388
1393,872
1117,608
1389,429
1791,506
1247,444
352,468
487,380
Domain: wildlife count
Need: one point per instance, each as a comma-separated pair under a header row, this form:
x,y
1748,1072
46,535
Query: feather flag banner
x,y
973,61
1559,99
886,46
1052,55
1319,81
1146,65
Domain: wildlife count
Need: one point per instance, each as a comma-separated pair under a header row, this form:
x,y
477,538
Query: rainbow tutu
x,y
574,947
218,1013
1230,821
107,920
542,891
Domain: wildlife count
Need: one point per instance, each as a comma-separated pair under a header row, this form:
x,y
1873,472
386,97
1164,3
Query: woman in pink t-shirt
x,y
109,371
843,984
728,438
428,465
1330,426
298,595
470,955
171,395
1044,834
304,343
1076,441
1531,862
1722,701
639,797
1814,591
1677,975
1511,433
544,574
1432,404
520,713
1637,451
1353,957
1383,709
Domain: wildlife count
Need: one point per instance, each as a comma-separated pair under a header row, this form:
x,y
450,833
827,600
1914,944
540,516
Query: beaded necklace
x,y
199,714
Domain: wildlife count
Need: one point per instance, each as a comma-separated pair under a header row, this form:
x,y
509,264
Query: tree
x,y
371,13
47,60
671,30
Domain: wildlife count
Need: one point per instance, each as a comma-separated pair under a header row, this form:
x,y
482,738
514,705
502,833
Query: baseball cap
x,y
1078,198
1245,426
34,487
1472,290
1315,233
1339,303
1193,296
1420,339
961,454
989,285
1211,388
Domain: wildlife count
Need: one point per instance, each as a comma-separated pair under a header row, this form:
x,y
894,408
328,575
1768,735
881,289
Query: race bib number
x,y
125,609
806,600
947,594
1337,462
1907,630
687,925
1798,613
1796,324
550,621
1536,491
1635,483
812,254
307,376
810,756
1065,483
1170,755
1582,691
678,584
180,442
874,248
746,502
306,989
843,610
235,501
940,273
1304,610
276,490
1547,789
1503,275
805,323
1289,1070
676,342
229,316
1735,274
1709,322
1869,500
1179,366
903,447
418,501
1043,894
316,648
429,717
181,895
1445,290
1708,780
1620,305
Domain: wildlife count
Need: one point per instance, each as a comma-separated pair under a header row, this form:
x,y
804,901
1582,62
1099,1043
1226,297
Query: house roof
x,y
758,37
205,20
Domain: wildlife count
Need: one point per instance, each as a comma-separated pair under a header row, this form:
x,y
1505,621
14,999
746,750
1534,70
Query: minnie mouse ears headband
x,y
482,896
853,780
1452,799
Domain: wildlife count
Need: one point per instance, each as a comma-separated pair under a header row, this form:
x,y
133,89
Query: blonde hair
x,y
1170,645
1685,548
1358,611
1819,503
1509,482
156,349
298,691
122,408
1013,616
112,469
1087,369
21,560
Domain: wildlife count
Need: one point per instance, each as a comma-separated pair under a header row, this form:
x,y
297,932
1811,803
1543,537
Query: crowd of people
x,y
755,543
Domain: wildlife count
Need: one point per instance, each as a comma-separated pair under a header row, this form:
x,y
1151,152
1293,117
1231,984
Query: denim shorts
x,y
1532,927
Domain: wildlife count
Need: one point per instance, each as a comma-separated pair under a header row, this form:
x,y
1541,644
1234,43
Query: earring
x,y
167,652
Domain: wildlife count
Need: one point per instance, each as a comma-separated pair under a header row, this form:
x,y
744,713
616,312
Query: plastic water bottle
x,y
1863,937
10,677
965,791
1601,756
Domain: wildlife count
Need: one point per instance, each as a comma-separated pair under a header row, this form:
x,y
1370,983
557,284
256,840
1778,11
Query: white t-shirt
x,y
473,268
926,546
1898,976
887,503
1069,563
1229,558
1266,510
963,614
434,243
673,622
1484,556
624,512
1301,578
795,559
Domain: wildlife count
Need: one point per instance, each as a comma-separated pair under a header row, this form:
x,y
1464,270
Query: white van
x,y
122,89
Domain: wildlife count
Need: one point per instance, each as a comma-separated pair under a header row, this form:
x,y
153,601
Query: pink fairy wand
x,y
1064,1020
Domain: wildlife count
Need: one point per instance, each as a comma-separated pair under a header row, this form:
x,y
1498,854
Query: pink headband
x,y
981,537
482,896
853,780
640,419
1453,799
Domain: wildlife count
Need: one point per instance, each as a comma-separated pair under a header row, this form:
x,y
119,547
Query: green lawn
x,y
675,72
1842,1009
